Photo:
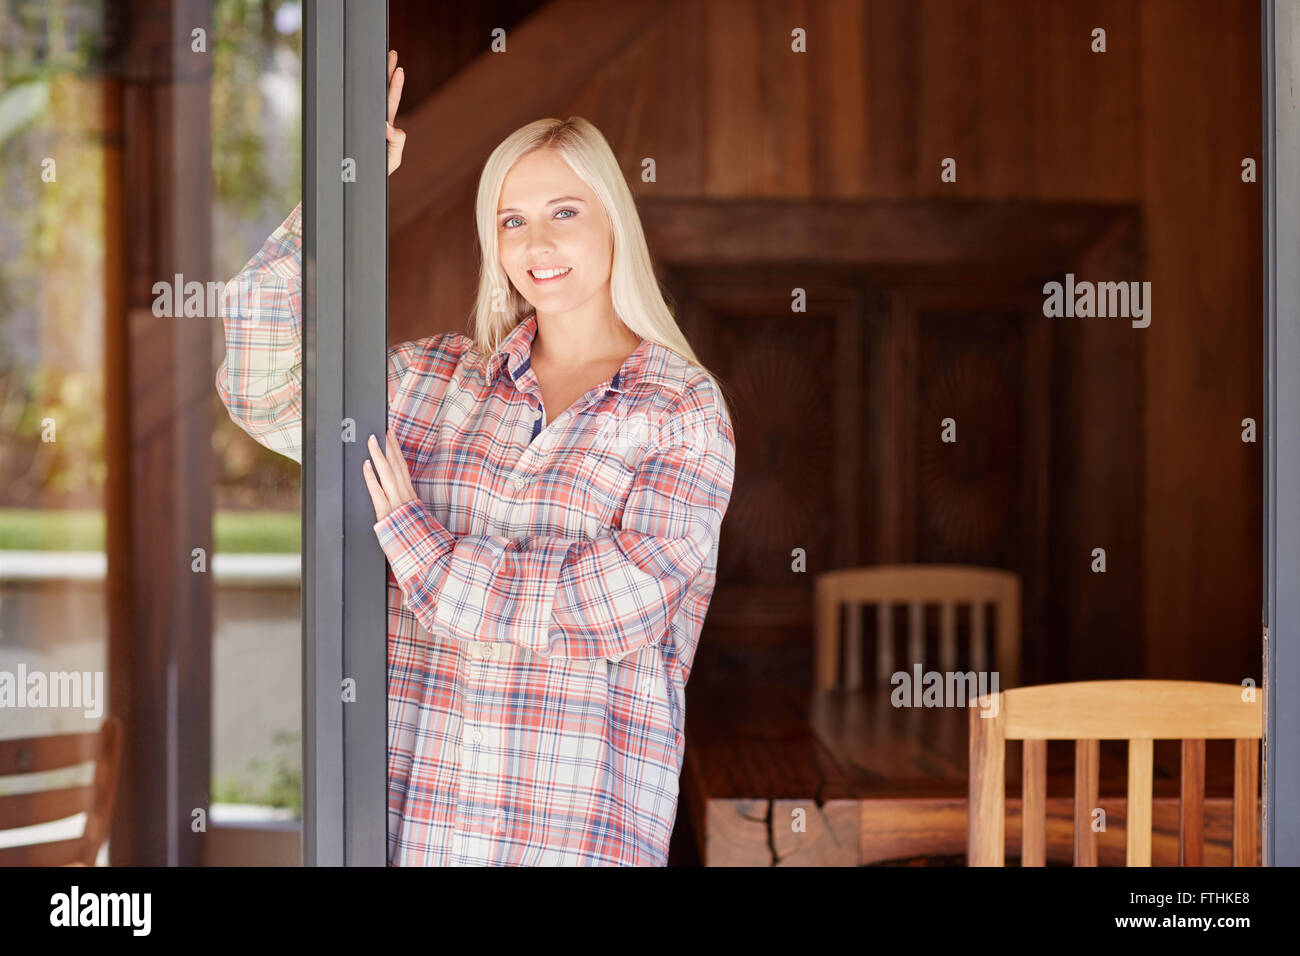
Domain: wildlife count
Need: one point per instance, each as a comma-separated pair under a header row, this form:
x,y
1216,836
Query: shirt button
x,y
645,686
485,651
519,482
537,413
478,736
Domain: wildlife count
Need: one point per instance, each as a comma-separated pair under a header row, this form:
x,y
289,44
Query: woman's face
x,y
548,218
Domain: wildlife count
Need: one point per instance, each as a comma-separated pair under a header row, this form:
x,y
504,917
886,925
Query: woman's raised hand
x,y
396,137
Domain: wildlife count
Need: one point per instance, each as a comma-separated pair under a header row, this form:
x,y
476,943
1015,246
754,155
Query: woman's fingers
x,y
384,470
396,143
377,496
395,137
396,80
387,477
398,463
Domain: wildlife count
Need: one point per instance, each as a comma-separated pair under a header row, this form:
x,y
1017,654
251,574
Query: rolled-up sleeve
x,y
582,599
260,377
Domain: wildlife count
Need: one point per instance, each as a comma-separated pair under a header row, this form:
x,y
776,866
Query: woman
x,y
549,498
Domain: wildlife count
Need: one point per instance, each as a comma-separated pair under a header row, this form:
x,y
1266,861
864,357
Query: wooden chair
x,y
1087,712
41,754
914,585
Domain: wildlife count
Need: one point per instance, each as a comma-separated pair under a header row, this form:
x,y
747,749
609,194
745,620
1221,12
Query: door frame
x,y
1280,29
345,336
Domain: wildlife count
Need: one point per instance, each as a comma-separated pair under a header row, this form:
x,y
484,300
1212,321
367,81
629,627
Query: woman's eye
x,y
506,223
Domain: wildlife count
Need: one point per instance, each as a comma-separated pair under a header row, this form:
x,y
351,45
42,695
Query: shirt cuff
x,y
412,541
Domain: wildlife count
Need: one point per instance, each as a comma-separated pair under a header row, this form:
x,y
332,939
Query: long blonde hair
x,y
637,296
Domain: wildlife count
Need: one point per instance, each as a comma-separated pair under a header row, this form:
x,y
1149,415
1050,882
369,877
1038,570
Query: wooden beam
x,y
1017,238
159,426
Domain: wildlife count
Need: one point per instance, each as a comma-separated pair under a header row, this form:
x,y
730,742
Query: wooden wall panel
x,y
1201,90
740,148
837,76
432,273
892,52
947,97
1003,150
1097,468
647,103
1087,113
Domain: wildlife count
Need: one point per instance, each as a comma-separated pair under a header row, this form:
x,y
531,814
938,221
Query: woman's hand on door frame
x,y
396,137
388,478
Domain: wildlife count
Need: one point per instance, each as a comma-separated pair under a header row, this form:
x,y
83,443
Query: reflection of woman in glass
x,y
549,498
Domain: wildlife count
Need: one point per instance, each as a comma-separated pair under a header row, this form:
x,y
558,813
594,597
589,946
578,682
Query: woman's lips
x,y
563,275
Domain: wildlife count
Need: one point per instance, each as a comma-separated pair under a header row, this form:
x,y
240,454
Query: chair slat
x,y
986,795
853,646
948,636
55,853
44,806
1245,803
1129,709
978,653
884,642
1137,826
916,634
1033,814
39,754
1191,805
1087,765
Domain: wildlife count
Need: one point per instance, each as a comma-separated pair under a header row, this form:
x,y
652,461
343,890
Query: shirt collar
x,y
515,355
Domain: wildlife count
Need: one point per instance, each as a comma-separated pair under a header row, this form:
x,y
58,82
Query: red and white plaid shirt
x,y
547,590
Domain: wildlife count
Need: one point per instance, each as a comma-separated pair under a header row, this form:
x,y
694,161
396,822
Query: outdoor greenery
x,y
52,236
245,180
284,779
52,256
234,532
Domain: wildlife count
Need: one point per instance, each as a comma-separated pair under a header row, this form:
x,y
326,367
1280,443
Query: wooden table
x,y
781,776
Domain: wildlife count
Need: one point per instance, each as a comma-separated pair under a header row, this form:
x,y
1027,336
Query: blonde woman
x,y
549,497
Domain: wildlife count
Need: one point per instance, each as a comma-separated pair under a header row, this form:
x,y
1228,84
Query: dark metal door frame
x,y
345,343
1280,24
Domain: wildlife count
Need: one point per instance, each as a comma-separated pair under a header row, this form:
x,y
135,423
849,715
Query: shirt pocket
x,y
605,478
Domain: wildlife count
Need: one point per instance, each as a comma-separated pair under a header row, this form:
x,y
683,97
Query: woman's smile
x,y
542,276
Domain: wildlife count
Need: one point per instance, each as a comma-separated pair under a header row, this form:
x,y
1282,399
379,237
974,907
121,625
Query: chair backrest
x,y
915,585
42,754
1088,712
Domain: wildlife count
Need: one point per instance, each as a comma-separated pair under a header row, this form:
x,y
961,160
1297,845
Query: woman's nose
x,y
540,243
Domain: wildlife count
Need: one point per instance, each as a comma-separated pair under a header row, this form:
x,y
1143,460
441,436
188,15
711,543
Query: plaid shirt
x,y
547,589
